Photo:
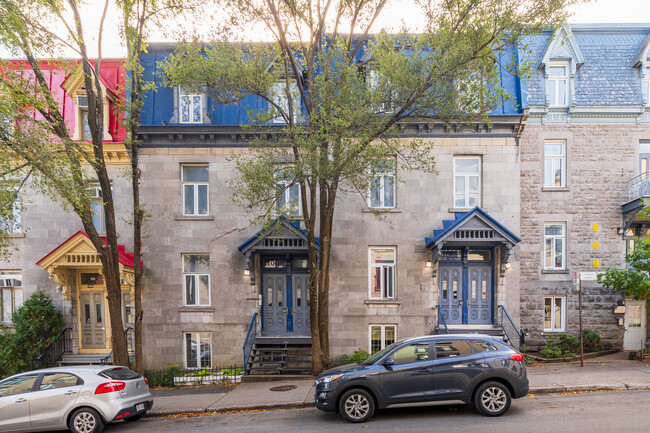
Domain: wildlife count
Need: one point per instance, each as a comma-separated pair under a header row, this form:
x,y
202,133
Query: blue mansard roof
x,y
608,75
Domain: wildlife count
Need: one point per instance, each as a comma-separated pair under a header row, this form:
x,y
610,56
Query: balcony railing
x,y
638,186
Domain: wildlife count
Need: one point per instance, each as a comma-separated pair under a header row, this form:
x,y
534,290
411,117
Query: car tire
x,y
134,418
492,399
86,420
356,405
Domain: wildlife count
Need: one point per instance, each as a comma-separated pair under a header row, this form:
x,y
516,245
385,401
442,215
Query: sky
x,y
597,11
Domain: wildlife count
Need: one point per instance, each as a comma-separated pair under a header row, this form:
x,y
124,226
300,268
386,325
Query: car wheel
x,y
86,420
134,418
356,405
492,399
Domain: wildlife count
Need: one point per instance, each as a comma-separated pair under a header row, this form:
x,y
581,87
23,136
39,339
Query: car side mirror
x,y
388,362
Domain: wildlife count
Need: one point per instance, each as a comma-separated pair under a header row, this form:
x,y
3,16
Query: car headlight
x,y
328,379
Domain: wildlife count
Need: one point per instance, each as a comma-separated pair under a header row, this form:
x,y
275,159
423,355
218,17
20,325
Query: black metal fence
x,y
54,352
174,376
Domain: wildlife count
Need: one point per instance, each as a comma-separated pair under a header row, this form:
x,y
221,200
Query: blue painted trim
x,y
438,235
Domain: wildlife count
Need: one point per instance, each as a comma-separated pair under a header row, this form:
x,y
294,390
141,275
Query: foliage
x,y
357,356
561,345
634,279
344,97
36,325
591,340
232,371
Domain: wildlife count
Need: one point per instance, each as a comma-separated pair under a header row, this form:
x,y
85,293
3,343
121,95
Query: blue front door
x,y
465,287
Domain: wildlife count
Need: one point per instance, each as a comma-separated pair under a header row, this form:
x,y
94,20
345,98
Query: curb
x,y
585,388
269,406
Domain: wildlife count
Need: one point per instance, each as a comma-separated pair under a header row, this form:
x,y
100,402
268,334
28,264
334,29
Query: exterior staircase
x,y
86,359
280,356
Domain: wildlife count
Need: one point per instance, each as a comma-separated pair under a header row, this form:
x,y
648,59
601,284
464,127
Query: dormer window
x,y
191,106
84,125
646,86
558,84
279,97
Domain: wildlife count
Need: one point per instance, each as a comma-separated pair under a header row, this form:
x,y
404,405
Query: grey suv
x,y
477,369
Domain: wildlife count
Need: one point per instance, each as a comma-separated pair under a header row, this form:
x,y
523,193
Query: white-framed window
x,y
191,106
11,294
555,164
381,336
381,272
646,85
558,84
196,279
554,313
195,188
11,222
97,211
467,181
198,349
554,245
380,89
279,97
382,184
288,193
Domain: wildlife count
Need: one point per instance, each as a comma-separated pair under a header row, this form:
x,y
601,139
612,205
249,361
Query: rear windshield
x,y
120,374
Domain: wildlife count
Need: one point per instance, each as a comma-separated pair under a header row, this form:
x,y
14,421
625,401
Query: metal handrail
x,y
130,351
54,352
514,342
638,186
250,340
441,321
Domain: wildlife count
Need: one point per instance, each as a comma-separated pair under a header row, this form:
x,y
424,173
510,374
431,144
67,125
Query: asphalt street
x,y
589,412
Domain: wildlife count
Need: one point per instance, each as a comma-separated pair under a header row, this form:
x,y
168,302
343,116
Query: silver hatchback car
x,y
82,399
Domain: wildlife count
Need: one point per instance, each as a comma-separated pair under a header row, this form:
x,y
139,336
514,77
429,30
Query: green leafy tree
x,y
344,96
634,279
36,324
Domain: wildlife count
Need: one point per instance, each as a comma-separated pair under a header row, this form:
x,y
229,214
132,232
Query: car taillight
x,y
146,381
517,357
110,387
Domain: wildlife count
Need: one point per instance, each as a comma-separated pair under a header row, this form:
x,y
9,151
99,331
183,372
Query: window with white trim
x,y
558,84
382,184
382,272
11,294
191,106
381,336
97,210
11,221
554,314
555,164
467,181
198,349
646,85
195,187
280,98
379,87
288,193
554,245
196,279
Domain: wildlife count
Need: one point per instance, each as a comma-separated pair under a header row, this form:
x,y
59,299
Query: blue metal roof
x,y
460,218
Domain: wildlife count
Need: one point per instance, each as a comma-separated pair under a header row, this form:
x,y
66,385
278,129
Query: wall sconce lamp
x,y
508,265
428,264
247,272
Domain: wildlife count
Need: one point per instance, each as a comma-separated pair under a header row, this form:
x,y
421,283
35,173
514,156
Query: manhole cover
x,y
284,388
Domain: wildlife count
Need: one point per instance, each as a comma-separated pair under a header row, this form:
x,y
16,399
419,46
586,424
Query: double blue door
x,y
466,288
285,299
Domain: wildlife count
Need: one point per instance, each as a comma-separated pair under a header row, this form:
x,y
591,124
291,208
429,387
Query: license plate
x,y
139,407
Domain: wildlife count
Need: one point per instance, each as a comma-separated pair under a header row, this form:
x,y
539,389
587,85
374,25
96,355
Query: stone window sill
x,y
382,210
194,218
16,235
382,302
555,271
461,209
196,310
555,189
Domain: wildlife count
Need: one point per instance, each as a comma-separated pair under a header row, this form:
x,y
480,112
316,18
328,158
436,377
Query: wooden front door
x,y
635,325
275,303
93,320
300,310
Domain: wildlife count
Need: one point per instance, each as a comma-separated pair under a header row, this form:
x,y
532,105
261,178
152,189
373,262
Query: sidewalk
x,y
611,372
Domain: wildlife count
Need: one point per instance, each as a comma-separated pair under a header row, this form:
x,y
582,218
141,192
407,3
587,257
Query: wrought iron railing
x,y
130,347
442,324
512,333
54,352
250,339
174,376
639,186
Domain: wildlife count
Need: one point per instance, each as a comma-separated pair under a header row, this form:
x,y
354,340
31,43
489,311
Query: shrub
x,y
562,345
591,340
36,325
357,356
